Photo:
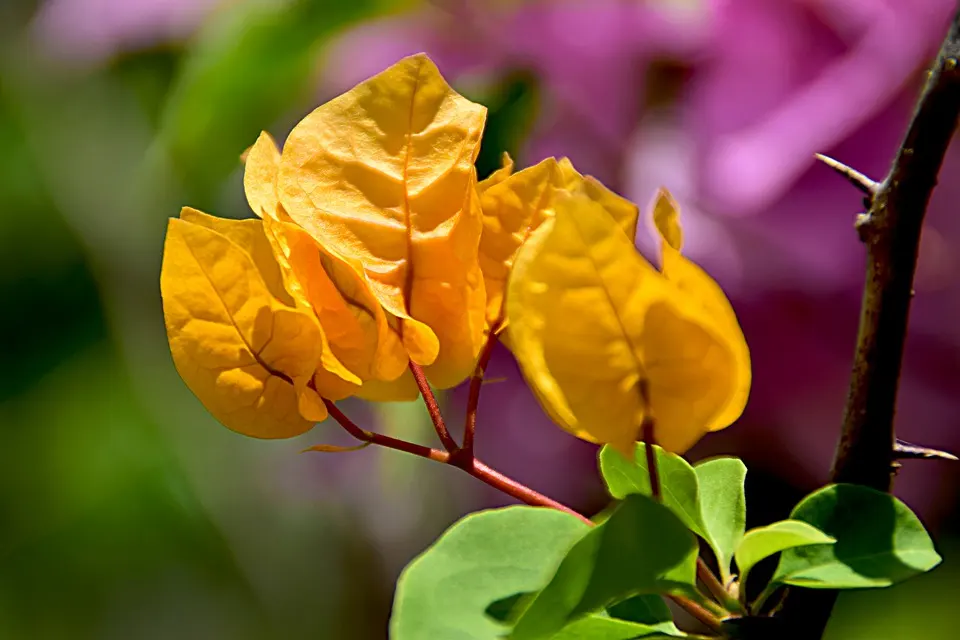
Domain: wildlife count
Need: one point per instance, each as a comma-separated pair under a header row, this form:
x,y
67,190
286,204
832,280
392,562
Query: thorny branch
x,y
891,231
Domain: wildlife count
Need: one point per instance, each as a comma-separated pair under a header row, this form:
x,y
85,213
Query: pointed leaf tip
x,y
394,192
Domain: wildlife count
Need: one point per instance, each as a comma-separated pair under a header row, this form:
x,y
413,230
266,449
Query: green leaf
x,y
247,68
649,610
764,542
723,506
483,558
643,547
715,511
879,541
678,482
599,627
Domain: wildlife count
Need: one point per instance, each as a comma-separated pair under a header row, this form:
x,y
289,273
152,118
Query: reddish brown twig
x,y
500,482
383,440
476,383
433,408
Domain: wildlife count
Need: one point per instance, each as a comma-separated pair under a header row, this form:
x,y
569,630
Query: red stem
x,y
433,408
476,383
519,491
383,440
500,482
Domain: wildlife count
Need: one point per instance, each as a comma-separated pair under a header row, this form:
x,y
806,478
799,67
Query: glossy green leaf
x,y
715,511
678,482
643,547
723,506
600,627
879,541
246,69
764,542
649,610
483,558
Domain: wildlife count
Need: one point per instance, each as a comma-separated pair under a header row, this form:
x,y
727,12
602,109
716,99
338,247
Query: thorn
x,y
857,179
904,450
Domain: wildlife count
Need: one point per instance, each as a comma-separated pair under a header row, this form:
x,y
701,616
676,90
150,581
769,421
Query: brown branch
x,y
891,230
473,467
476,383
383,440
433,408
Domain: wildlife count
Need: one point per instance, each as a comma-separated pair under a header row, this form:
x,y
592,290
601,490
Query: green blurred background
x,y
125,510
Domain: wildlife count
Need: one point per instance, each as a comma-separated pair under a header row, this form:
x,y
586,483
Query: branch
x,y
384,441
891,230
500,482
433,408
476,383
473,467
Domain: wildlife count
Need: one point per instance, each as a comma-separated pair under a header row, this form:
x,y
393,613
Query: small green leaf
x,y
600,627
483,558
879,541
723,506
764,542
643,547
708,499
678,482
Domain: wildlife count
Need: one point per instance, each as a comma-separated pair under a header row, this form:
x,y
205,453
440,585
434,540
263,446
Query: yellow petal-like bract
x,y
375,246
383,176
498,176
605,340
248,356
515,204
513,207
703,289
360,337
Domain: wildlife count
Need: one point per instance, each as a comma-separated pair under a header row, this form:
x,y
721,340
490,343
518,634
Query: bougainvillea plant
x,y
379,267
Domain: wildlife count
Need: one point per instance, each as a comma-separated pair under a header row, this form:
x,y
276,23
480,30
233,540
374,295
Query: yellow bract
x,y
383,176
248,356
605,340
498,176
703,290
515,204
376,246
361,339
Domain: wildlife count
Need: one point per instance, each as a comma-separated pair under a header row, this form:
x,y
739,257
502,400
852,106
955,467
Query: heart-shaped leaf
x,y
485,557
880,541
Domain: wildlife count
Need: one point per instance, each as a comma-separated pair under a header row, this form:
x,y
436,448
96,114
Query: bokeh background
x,y
127,512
